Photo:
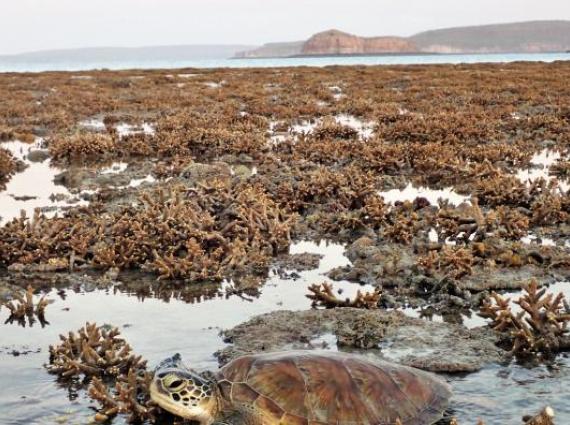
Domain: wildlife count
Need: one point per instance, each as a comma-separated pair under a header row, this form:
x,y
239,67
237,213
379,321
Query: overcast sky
x,y
29,25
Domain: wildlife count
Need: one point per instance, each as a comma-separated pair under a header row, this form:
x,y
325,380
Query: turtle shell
x,y
326,388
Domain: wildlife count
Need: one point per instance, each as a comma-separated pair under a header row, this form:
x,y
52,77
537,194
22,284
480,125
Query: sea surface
x,y
15,65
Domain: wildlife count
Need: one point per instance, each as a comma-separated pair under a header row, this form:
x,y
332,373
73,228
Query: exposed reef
x,y
440,347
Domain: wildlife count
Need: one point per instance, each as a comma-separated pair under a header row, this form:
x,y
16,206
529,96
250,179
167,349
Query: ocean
x,y
14,65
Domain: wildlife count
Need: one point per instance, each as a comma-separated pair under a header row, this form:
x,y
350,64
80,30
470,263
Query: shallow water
x,y
541,164
18,65
410,192
157,328
36,182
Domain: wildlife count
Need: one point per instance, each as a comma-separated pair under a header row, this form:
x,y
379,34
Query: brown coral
x,y
539,328
130,397
7,166
323,296
25,309
93,351
82,146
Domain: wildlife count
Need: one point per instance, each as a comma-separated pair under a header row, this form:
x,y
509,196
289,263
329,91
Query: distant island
x,y
522,37
126,54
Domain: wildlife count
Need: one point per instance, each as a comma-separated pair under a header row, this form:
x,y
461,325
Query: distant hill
x,y
126,54
522,37
292,48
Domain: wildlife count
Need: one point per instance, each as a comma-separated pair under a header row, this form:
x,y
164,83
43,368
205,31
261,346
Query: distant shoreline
x,y
280,62
341,55
396,54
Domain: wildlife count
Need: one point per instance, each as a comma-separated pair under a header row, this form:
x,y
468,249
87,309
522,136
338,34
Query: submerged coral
x,y
93,351
24,308
130,397
118,378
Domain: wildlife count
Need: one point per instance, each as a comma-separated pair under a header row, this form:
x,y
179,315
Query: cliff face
x,y
335,42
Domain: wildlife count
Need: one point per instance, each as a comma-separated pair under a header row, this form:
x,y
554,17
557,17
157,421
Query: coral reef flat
x,y
419,214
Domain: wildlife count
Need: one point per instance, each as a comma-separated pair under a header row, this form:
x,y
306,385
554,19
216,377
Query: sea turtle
x,y
301,387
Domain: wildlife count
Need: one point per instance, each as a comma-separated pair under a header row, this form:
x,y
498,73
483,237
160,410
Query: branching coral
x,y
7,166
104,358
93,351
198,234
453,262
82,146
539,328
323,296
330,129
24,308
130,397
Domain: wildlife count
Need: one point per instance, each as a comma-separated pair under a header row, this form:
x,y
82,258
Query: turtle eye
x,y
174,383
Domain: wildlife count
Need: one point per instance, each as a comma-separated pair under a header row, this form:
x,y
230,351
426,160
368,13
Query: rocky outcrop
x,y
336,42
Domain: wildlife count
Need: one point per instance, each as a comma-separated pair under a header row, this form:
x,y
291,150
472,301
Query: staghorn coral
x,y
82,146
197,234
129,397
7,167
93,351
453,262
561,169
539,328
24,308
323,296
470,139
329,129
118,378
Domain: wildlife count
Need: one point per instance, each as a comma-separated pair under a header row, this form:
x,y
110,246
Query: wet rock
x,y
282,330
440,347
198,171
299,262
23,198
243,171
359,333
38,155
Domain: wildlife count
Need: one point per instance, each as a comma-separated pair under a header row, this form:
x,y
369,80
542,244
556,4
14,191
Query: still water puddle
x,y
541,164
157,327
410,193
364,128
123,129
34,187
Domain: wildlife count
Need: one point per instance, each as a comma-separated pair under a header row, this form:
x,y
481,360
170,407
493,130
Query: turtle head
x,y
184,392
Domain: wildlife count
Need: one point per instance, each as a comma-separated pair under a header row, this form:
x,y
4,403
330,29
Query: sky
x,y
30,25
